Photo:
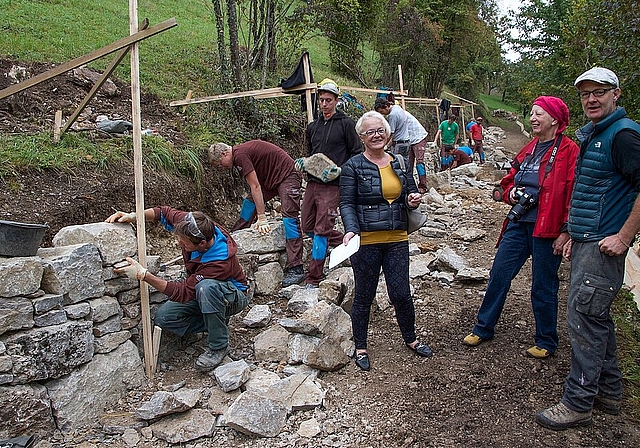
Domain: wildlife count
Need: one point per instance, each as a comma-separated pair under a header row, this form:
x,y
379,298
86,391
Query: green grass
x,y
627,319
171,62
37,152
493,102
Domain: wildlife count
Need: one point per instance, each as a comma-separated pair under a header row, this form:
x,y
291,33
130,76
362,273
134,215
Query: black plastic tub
x,y
18,239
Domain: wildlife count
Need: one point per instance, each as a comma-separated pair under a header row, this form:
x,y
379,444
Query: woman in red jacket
x,y
538,187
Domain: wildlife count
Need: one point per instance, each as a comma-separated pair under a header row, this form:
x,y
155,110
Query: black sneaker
x,y
294,276
210,359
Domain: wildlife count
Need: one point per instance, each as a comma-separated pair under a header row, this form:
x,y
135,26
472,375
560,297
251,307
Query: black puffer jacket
x,y
362,206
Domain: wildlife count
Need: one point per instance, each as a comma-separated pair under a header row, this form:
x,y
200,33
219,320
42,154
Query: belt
x,y
401,141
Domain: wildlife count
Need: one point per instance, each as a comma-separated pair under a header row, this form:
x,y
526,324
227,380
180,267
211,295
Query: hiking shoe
x,y
472,340
210,359
294,276
538,353
559,417
607,405
362,361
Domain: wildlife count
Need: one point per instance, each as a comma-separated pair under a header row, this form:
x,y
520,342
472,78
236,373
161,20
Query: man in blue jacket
x,y
604,218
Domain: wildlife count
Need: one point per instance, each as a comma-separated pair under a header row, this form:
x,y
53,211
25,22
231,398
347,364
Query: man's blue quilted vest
x,y
602,199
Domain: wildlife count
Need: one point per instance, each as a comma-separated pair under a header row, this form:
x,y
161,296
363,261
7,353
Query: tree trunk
x,y
234,46
222,49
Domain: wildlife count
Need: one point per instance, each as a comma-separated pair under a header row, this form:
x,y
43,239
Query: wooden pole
x,y
57,123
149,361
401,84
157,335
307,80
188,97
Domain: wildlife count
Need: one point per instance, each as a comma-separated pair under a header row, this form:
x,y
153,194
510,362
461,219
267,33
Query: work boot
x,y
294,276
607,405
210,359
559,417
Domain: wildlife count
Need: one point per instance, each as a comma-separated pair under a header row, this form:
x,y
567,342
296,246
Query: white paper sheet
x,y
342,252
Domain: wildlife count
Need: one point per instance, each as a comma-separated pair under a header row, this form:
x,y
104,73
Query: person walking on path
x,y
604,219
375,193
215,284
477,135
538,186
334,135
447,136
269,172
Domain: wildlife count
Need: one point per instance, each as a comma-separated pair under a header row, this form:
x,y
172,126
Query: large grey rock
x,y
20,276
297,392
73,271
53,317
103,308
184,427
15,314
49,352
271,344
46,303
419,264
447,258
332,321
109,342
82,396
232,375
164,403
268,278
258,316
114,241
303,299
256,415
25,410
251,242
260,381
327,356
300,345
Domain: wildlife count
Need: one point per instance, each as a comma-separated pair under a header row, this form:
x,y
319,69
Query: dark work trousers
x,y
319,213
596,278
289,193
516,246
216,301
416,158
393,258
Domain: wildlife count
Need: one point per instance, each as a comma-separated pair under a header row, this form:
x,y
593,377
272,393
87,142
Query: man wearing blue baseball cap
x,y
604,218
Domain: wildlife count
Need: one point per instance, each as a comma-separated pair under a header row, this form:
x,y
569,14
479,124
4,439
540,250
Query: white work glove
x,y
134,271
299,164
121,217
330,174
262,225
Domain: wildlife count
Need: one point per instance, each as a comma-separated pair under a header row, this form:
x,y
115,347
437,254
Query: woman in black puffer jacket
x,y
375,193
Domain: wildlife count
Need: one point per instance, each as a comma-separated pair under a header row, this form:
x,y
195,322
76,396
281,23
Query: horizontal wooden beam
x,y
74,63
264,93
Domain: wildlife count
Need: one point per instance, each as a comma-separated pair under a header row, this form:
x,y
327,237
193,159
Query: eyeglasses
x,y
193,227
585,94
372,132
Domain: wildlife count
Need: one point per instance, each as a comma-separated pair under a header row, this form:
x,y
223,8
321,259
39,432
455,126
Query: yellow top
x,y
391,190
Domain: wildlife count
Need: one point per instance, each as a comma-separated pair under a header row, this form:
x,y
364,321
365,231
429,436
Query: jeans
x,y
517,244
216,301
596,278
366,263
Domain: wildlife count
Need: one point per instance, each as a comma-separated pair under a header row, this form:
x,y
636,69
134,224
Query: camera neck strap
x,y
552,158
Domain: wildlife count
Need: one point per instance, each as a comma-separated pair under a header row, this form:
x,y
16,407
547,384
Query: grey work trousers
x,y
216,301
596,278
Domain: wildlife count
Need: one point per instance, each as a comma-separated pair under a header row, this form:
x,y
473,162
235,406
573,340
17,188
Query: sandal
x,y
421,349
